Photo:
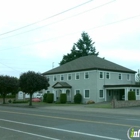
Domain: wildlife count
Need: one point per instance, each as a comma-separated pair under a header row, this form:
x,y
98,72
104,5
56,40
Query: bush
x,y
50,98
8,96
131,95
63,98
78,98
18,101
10,101
45,97
90,102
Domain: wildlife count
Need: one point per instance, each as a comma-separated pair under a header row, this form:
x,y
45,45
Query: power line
x,y
10,67
61,20
114,22
46,18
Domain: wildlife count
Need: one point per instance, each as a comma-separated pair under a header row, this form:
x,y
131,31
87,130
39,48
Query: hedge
x,y
131,95
45,97
14,102
78,98
9,96
63,98
50,97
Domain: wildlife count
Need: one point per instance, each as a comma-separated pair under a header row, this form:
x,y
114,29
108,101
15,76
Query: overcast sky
x,y
114,26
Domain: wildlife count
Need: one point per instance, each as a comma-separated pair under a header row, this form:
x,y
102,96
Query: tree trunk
x,y
30,102
4,98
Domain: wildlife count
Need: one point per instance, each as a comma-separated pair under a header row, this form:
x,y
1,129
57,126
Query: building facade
x,y
94,78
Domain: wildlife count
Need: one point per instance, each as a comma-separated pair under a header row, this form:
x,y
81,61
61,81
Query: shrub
x,y
78,98
50,98
10,101
8,96
18,101
45,97
90,102
63,98
131,95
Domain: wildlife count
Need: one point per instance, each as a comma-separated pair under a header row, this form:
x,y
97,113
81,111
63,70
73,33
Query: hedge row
x,y
48,97
9,96
78,98
131,95
63,98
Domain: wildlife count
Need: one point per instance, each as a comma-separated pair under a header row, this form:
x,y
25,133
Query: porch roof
x,y
61,85
123,85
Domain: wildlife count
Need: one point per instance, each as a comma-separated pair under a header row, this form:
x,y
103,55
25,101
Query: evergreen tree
x,y
83,47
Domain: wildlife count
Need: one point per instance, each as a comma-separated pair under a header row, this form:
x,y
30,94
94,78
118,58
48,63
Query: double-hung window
x,y
107,75
86,94
69,76
101,94
77,91
77,76
128,77
137,91
61,77
101,75
54,78
86,76
120,76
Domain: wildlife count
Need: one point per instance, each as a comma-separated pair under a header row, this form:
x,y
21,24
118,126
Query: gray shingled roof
x,y
90,62
63,85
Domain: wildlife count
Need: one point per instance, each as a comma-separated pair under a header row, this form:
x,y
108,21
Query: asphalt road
x,y
18,123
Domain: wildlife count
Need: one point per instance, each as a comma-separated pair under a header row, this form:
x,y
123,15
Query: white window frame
x,y
107,74
85,75
77,90
62,75
85,94
102,75
120,75
48,78
100,94
128,77
138,92
54,77
68,76
76,76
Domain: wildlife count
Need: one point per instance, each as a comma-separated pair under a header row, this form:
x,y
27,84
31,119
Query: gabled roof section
x,y
61,85
90,62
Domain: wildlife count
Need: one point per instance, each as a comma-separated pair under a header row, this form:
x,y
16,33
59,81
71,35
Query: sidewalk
x,y
83,108
89,108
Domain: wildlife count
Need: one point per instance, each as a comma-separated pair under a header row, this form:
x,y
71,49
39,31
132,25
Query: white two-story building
x,y
94,78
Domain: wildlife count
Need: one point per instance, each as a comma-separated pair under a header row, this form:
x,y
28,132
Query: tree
x,y
8,85
31,82
83,47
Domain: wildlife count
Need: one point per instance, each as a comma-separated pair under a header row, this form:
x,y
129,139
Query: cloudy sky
x,y
35,34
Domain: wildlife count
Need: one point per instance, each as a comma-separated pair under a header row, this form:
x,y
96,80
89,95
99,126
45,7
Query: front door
x,y
68,95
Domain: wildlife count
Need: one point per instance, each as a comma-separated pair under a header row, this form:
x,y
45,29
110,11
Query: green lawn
x,y
101,105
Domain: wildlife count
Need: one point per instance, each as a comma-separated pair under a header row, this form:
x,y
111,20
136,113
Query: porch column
x,y
105,94
126,94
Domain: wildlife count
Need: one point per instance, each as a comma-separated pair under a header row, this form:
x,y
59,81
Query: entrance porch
x,y
60,88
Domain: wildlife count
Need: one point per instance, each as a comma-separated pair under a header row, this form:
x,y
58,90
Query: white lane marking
x,y
28,133
64,130
134,119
